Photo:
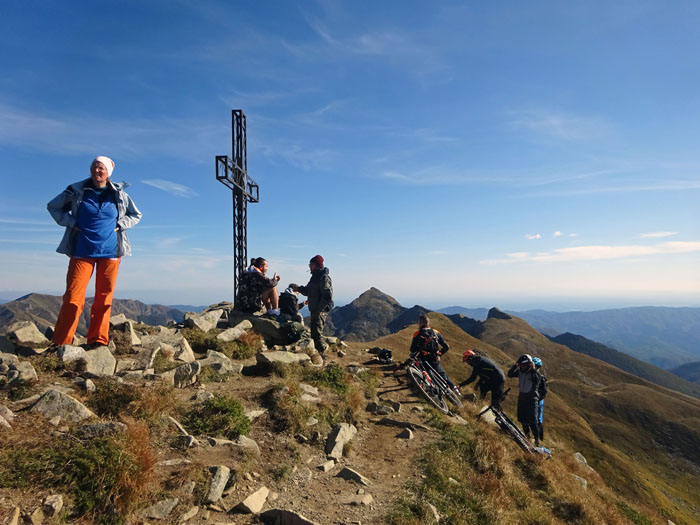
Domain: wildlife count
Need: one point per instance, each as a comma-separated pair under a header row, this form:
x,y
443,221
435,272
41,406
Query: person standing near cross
x,y
319,290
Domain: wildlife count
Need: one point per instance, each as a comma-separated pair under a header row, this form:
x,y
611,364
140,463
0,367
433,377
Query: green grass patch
x,y
209,375
632,515
332,376
163,363
113,400
105,477
220,416
48,363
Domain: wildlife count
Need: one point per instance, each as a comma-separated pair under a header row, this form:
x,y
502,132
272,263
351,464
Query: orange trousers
x,y
79,274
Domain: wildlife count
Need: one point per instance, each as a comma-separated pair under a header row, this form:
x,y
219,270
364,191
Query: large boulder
x,y
204,321
70,353
267,328
183,376
182,351
280,356
100,362
55,403
221,364
233,334
26,333
284,517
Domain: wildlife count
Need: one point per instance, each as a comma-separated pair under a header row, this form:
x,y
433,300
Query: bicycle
x,y
507,425
431,384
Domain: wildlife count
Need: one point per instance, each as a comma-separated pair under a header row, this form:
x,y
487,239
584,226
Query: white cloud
x,y
560,125
533,236
557,234
593,253
171,187
658,234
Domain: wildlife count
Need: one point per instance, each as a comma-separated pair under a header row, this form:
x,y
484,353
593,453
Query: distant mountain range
x,y
43,310
665,337
688,371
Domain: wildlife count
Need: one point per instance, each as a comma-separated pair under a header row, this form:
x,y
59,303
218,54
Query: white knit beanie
x,y
107,162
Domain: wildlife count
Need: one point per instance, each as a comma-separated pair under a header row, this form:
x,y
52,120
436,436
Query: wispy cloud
x,y
69,134
658,234
26,222
560,125
171,187
557,234
597,253
533,236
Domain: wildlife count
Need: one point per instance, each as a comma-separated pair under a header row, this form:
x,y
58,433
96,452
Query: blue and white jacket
x,y
64,210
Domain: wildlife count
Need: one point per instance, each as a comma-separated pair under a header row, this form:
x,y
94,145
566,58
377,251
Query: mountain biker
x,y
528,384
491,377
428,345
542,391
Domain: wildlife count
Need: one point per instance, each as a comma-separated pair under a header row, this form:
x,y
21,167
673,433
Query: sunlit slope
x,y
644,439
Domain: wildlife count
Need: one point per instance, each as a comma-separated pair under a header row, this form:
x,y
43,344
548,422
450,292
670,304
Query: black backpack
x,y
428,341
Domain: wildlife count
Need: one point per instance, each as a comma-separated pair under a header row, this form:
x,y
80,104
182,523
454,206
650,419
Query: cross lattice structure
x,y
233,173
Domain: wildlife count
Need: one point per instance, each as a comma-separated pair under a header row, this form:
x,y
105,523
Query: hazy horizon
x,y
521,305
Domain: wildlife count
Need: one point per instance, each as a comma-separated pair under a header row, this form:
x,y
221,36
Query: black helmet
x,y
385,356
524,359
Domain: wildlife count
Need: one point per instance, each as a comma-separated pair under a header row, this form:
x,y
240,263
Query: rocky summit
x,y
230,418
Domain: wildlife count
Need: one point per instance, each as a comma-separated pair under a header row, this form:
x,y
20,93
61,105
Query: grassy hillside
x,y
627,363
642,438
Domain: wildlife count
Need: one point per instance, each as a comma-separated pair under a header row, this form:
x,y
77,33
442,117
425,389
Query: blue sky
x,y
522,155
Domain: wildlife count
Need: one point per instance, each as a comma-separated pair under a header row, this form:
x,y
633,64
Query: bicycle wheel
x,y
509,427
426,389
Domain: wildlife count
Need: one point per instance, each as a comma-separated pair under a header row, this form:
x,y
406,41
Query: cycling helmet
x,y
524,359
385,356
537,361
466,356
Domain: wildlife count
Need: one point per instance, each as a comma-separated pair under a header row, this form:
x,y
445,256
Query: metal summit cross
x,y
234,174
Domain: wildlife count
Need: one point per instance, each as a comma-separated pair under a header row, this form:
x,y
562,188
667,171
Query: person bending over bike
x,y
528,398
491,377
428,345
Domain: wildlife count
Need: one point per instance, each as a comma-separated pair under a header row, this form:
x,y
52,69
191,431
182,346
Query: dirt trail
x,y
376,453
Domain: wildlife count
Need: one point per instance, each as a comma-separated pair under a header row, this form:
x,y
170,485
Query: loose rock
x,y
254,503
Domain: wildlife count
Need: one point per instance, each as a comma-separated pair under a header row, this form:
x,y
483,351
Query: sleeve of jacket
x,y
542,388
414,345
132,215
471,377
443,344
513,372
326,293
60,209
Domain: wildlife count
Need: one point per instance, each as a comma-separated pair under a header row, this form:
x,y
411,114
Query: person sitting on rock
x,y
289,306
491,377
428,345
257,291
529,385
